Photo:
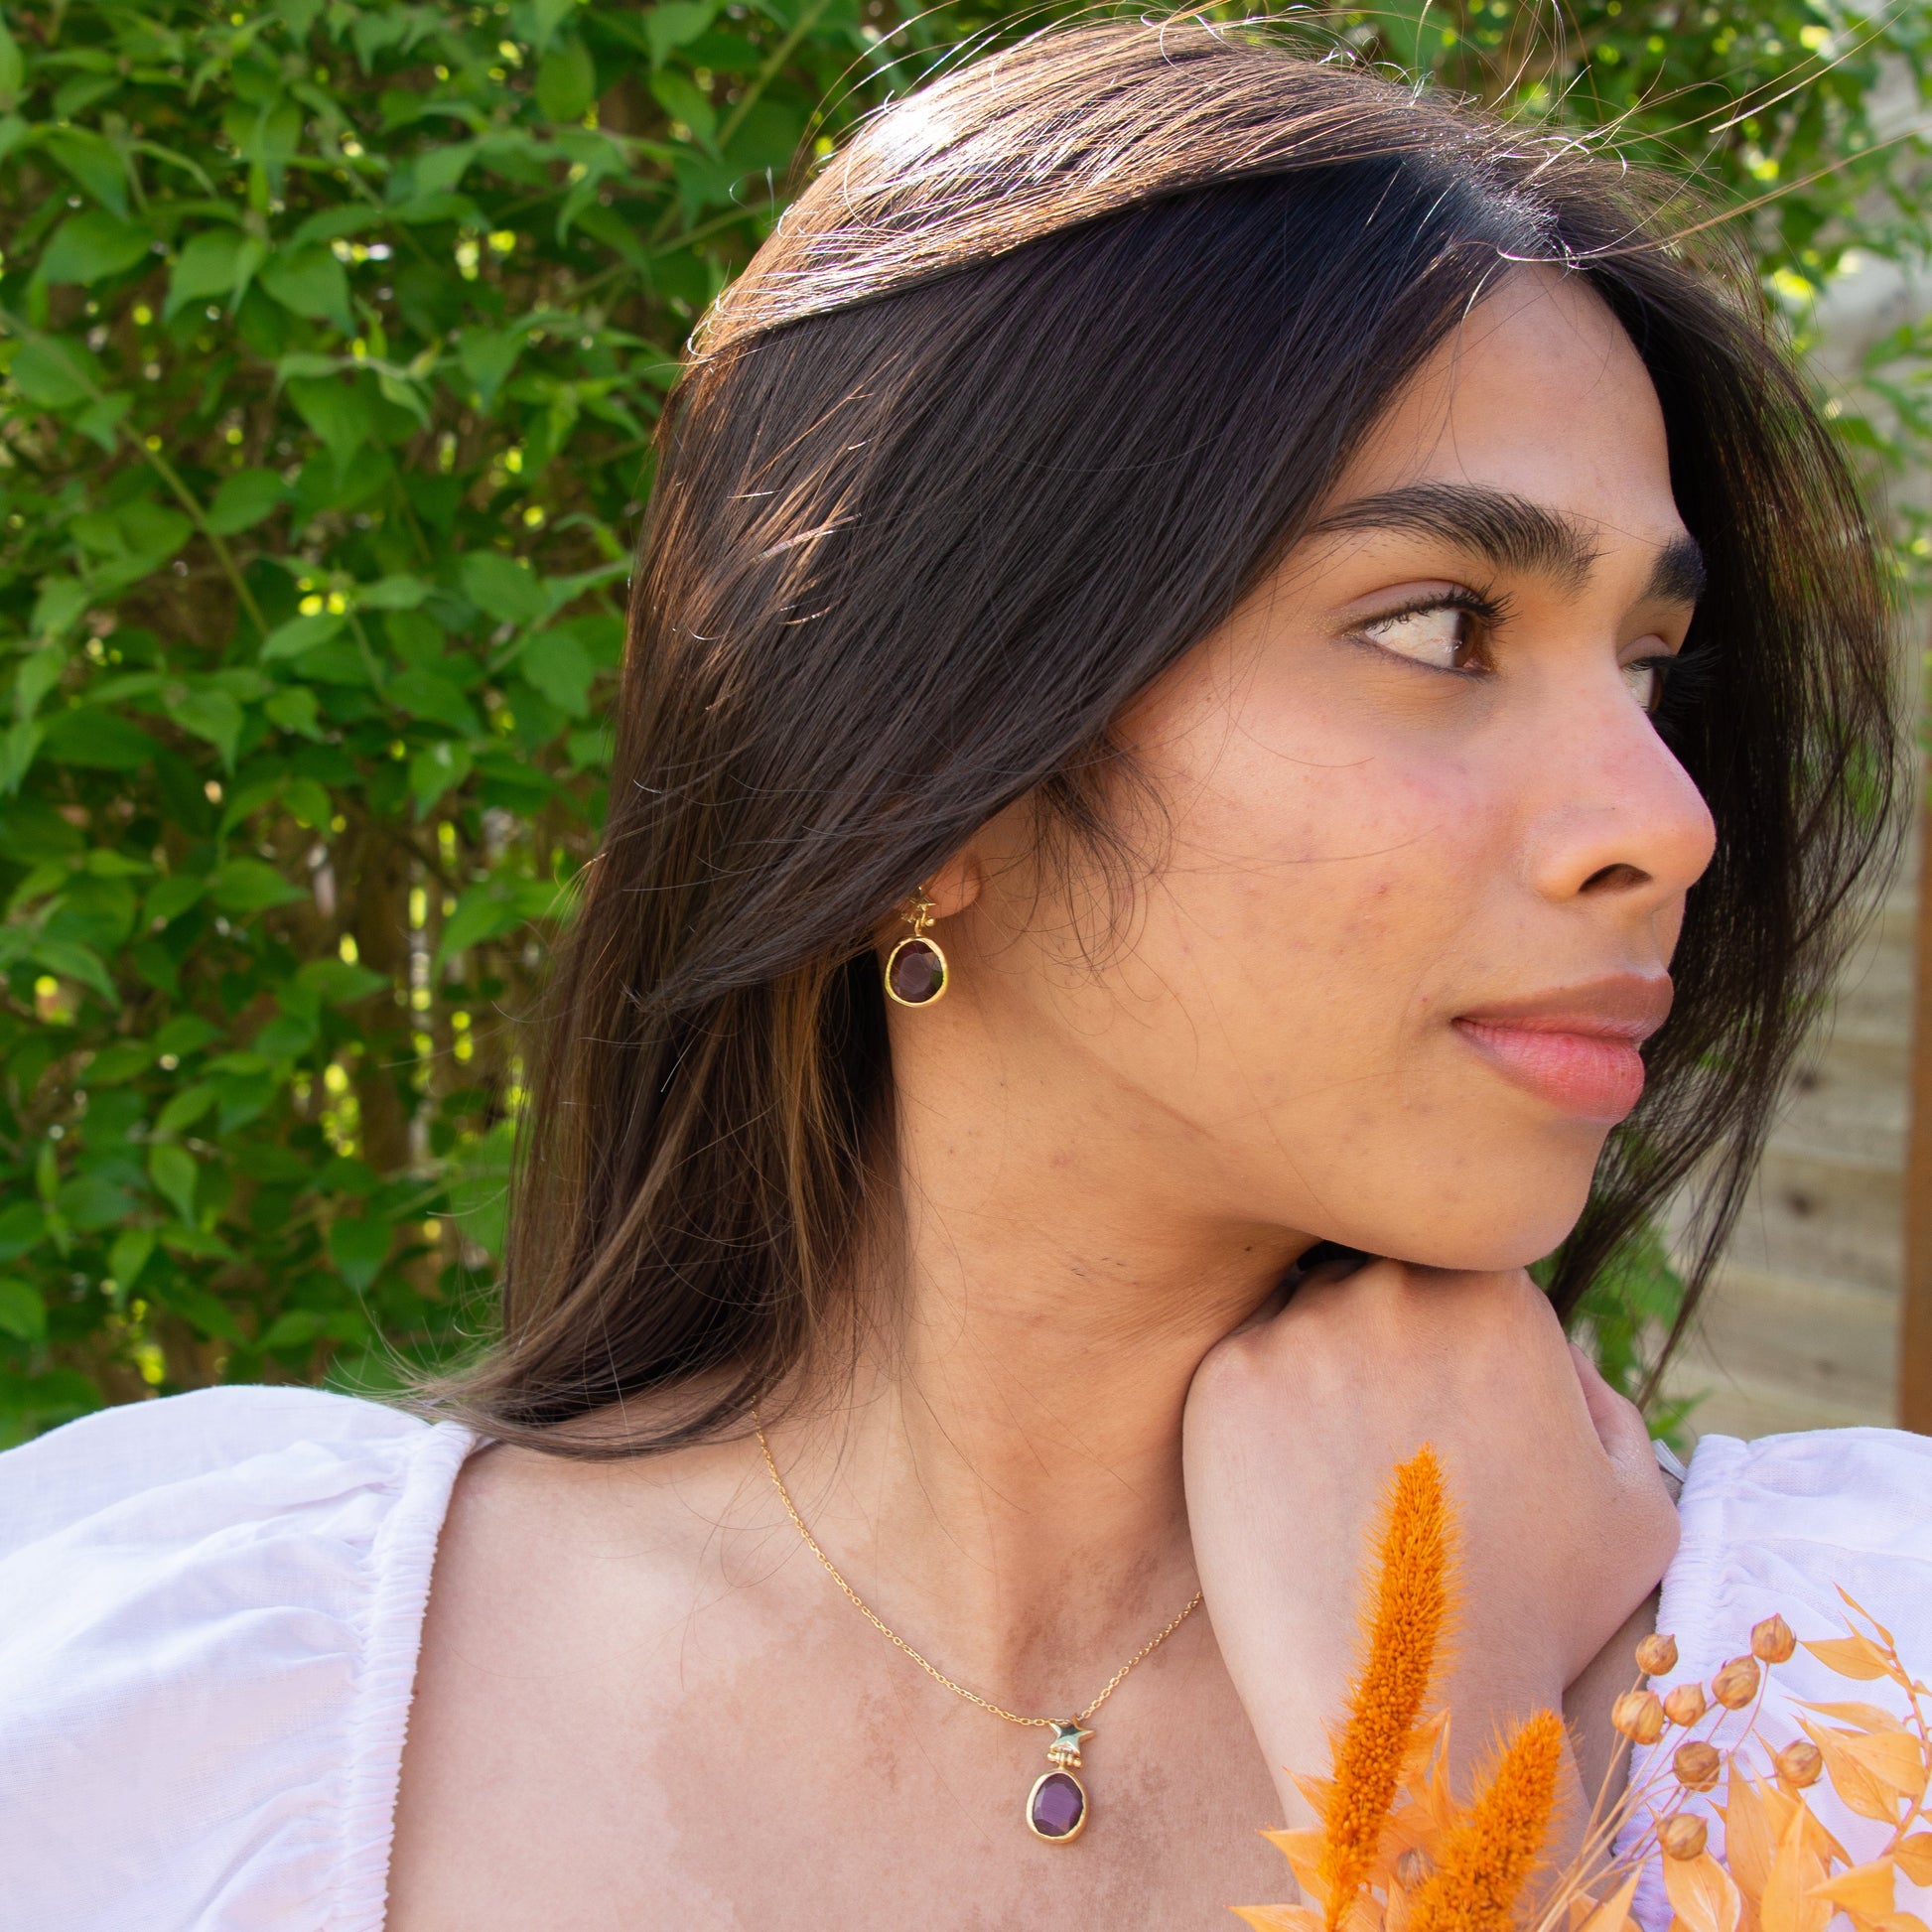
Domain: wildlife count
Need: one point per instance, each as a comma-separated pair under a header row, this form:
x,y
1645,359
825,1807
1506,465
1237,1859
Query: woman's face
x,y
1425,854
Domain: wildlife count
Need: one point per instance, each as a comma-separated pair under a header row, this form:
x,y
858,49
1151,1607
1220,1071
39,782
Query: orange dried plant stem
x,y
1491,1850
1406,1618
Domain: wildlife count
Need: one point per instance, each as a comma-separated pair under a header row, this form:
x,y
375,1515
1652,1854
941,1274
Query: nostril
x,y
1616,879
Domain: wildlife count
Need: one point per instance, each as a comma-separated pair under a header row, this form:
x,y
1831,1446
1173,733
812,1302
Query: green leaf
x,y
200,1310
92,246
296,710
339,412
398,593
18,746
212,715
358,1249
300,636
336,982
74,960
490,910
675,24
681,97
23,1314
12,70
245,499
216,264
546,16
170,898
478,1186
503,586
184,1109
93,162
184,1033
39,671
286,1038
246,885
174,1171
436,769
91,1201
22,1226
310,282
423,694
96,739
566,80
129,1255
486,357
559,666
295,1330
118,1061
54,374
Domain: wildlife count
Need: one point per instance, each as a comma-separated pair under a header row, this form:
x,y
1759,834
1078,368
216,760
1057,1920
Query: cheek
x,y
1328,854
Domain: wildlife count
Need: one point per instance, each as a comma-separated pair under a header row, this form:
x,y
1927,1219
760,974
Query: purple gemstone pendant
x,y
915,974
1056,1806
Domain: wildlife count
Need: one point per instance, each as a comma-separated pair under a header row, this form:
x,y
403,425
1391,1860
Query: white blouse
x,y
211,1608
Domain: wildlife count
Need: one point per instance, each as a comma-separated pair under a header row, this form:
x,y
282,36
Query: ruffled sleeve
x,y
1780,1525
210,1613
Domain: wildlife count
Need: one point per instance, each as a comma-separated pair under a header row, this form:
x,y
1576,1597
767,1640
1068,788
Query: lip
x,y
1575,1047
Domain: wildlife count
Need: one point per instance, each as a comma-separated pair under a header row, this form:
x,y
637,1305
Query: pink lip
x,y
1575,1047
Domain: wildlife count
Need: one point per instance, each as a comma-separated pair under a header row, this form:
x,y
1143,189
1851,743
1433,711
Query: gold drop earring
x,y
915,968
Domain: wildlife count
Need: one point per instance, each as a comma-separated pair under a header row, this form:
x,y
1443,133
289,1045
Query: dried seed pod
x,y
1411,1867
1697,1764
1685,1704
1772,1640
1639,1714
1736,1684
1799,1764
1657,1654
1682,1836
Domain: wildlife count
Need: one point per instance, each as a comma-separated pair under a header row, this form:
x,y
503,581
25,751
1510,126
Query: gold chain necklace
x,y
1056,1806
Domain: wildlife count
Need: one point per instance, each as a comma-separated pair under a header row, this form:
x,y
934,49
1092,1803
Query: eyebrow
x,y
1512,533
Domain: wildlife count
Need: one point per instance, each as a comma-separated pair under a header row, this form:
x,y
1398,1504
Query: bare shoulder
x,y
578,1608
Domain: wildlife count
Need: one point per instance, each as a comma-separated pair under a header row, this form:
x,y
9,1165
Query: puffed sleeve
x,y
210,1613
1779,1526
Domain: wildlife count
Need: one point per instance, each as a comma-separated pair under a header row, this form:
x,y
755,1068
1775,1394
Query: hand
x,y
1292,1425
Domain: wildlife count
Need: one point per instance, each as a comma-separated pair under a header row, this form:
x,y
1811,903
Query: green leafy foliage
x,y
332,337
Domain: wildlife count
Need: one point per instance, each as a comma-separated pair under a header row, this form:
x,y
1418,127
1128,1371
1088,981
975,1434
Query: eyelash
x,y
1681,676
1488,610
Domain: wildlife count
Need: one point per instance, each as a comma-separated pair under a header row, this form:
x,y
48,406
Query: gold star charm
x,y
1065,1751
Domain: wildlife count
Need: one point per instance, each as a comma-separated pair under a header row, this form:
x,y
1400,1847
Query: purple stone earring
x,y
915,968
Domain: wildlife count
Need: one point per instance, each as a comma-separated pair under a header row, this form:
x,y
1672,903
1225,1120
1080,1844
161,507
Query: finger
x,y
1618,1422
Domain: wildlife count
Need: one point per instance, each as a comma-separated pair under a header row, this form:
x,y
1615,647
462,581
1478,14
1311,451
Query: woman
x,y
1233,671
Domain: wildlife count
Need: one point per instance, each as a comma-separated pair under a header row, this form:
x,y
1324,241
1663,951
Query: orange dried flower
x,y
1772,1640
1685,1704
1800,1764
1736,1684
1697,1764
1682,1836
1657,1655
1408,1610
1411,1867
1489,1852
1639,1714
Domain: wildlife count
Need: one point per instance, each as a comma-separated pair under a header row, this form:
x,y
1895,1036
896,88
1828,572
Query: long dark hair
x,y
1042,373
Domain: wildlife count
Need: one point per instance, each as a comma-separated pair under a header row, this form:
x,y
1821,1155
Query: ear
x,y
956,885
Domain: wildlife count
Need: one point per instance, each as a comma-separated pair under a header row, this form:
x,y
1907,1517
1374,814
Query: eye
x,y
1645,678
1439,634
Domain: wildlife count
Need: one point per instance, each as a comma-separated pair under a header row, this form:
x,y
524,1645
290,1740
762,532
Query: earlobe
x,y
956,885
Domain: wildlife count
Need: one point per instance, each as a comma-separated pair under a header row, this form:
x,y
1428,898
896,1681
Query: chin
x,y
1482,1231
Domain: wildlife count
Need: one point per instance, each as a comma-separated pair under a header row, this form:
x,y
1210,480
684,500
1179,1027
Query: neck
x,y
1003,1481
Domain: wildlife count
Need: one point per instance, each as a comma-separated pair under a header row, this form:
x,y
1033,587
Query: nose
x,y
1620,820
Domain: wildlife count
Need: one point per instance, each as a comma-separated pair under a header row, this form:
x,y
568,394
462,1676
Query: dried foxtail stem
x,y
1408,1613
